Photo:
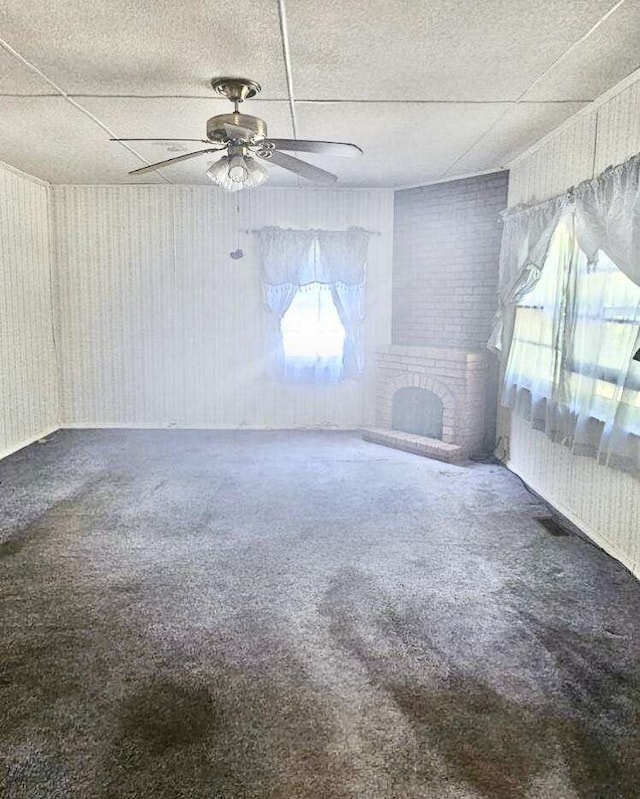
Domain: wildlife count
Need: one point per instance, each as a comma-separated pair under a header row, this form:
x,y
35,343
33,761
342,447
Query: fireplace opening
x,y
418,411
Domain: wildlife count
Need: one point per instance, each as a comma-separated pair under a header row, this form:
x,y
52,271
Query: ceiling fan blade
x,y
170,161
238,132
204,141
302,168
320,147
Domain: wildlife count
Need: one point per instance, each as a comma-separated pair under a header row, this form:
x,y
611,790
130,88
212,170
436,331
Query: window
x,y
533,359
313,336
571,368
314,293
606,329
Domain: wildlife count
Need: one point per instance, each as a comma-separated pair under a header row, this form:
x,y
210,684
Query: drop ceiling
x,y
429,90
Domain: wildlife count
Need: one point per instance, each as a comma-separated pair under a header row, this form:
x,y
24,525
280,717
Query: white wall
x,y
602,502
28,380
158,326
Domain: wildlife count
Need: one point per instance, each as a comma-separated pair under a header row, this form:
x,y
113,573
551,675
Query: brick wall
x,y
445,268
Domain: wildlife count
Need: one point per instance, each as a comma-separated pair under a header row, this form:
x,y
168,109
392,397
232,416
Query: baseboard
x,y
582,526
4,453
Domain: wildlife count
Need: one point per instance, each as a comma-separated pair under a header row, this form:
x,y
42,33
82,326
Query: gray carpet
x,y
302,616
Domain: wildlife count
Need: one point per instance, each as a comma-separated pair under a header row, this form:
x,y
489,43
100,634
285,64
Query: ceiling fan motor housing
x,y
216,130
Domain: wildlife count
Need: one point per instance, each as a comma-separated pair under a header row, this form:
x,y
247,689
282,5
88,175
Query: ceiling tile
x,y
148,47
49,138
521,126
435,78
597,64
404,144
463,50
16,78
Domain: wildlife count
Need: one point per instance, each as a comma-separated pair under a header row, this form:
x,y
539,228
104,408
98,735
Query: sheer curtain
x,y
285,263
533,375
526,237
568,321
570,369
342,262
292,259
602,378
608,217
313,337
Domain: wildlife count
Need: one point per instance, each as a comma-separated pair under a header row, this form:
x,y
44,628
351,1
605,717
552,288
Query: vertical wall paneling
x,y
116,305
618,128
603,502
159,326
28,380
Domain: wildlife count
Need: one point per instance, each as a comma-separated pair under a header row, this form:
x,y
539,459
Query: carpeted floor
x,y
302,616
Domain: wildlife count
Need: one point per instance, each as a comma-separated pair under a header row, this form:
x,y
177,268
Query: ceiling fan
x,y
243,137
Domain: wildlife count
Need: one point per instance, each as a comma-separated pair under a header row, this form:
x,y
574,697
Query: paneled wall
x,y
602,502
28,380
158,326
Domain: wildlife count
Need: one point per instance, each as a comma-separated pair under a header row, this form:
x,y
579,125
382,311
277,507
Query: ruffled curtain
x,y
533,382
278,299
341,263
608,217
349,301
570,268
601,384
285,260
526,236
285,256
342,256
292,259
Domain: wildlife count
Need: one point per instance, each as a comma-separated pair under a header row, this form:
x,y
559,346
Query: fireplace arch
x,y
430,384
417,410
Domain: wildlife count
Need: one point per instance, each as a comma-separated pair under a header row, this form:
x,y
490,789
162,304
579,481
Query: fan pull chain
x,y
237,253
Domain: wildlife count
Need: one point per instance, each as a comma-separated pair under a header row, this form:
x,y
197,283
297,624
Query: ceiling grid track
x,y
305,101
61,93
519,100
286,54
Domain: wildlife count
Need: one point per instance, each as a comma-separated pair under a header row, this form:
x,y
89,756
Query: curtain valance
x,y
526,236
607,219
335,258
570,289
288,258
285,255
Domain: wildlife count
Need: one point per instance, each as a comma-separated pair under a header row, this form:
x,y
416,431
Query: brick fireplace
x,y
457,377
446,249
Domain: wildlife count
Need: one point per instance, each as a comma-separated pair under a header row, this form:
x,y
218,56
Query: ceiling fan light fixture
x,y
237,172
257,173
218,173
